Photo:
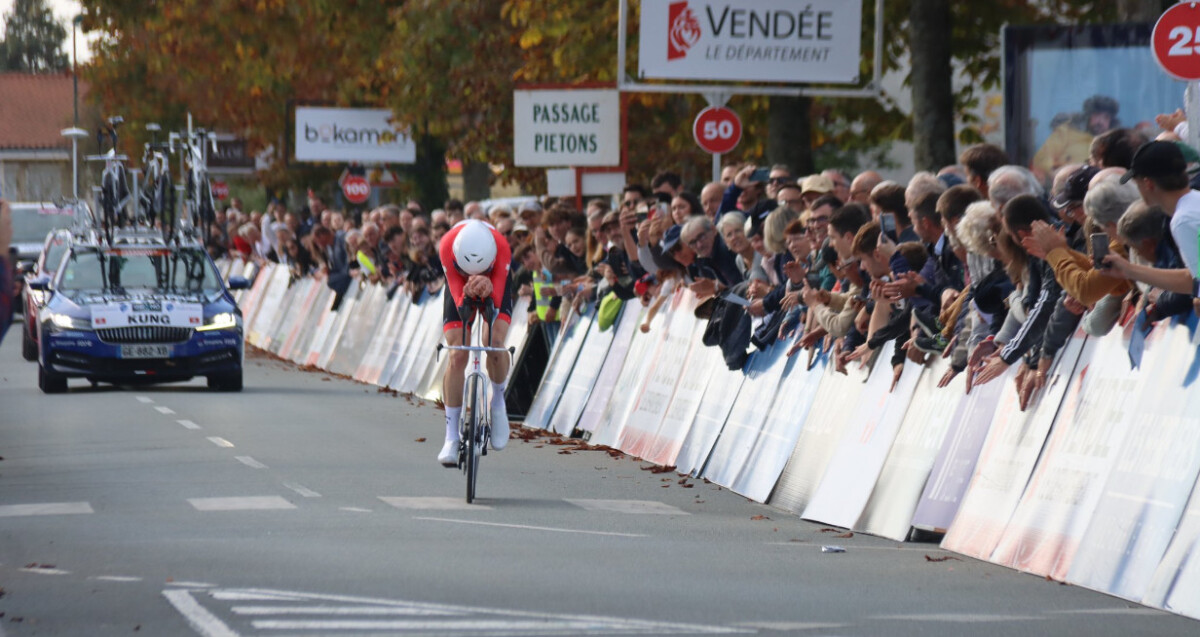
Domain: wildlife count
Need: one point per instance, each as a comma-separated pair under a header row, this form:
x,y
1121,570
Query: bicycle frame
x,y
474,425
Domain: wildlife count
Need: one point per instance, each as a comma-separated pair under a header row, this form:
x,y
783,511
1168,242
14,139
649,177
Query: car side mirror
x,y
41,284
239,283
27,267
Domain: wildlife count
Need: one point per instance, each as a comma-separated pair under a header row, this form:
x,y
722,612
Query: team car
x,y
138,310
56,245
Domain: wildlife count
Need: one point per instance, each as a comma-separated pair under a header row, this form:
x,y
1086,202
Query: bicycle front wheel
x,y
472,426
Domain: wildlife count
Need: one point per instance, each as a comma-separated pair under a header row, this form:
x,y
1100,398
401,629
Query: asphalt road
x,y
311,505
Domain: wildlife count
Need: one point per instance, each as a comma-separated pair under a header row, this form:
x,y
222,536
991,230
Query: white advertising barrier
x,y
386,332
722,390
518,331
792,41
249,302
764,371
855,466
289,326
424,344
574,127
827,419
582,378
1176,583
1143,499
352,344
362,135
626,326
268,304
307,324
772,445
406,344
666,364
959,452
289,307
889,512
1046,528
1010,452
344,313
406,310
311,351
681,412
632,377
562,360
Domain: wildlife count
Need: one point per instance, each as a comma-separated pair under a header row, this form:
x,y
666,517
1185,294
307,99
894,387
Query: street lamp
x,y
75,22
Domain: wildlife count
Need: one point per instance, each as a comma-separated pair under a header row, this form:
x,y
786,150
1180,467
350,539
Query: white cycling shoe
x,y
449,454
499,425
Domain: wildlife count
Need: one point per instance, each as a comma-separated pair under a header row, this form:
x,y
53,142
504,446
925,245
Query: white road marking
x,y
253,503
188,424
243,596
45,508
461,620
145,400
532,528
433,504
250,462
46,571
115,578
355,509
186,584
1112,611
790,626
219,441
302,490
164,410
961,618
338,610
643,507
198,617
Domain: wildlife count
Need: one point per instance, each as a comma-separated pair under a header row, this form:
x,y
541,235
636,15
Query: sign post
x,y
1176,46
717,130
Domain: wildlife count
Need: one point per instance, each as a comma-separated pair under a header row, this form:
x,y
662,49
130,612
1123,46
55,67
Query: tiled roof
x,y
34,109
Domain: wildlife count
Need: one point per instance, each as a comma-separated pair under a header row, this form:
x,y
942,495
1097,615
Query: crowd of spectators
x,y
980,263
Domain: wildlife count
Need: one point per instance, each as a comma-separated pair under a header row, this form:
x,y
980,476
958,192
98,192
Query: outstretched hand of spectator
x,y
1073,305
903,287
756,309
913,353
813,298
1043,238
811,338
897,371
991,370
1168,121
795,271
742,178
1116,266
704,288
790,300
862,354
947,378
840,358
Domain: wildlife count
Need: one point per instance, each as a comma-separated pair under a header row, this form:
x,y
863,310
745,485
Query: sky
x,y
64,10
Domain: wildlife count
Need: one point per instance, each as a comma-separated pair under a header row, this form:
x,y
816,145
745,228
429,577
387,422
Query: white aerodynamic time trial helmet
x,y
475,247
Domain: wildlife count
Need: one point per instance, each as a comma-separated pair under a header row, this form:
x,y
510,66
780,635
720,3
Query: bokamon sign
x,y
362,135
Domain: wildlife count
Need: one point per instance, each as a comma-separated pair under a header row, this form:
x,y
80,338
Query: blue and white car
x,y
138,311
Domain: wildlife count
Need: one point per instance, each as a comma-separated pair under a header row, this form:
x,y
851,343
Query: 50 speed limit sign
x,y
717,130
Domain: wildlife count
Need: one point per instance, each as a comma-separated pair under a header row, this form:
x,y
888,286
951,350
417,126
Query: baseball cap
x,y
643,284
816,183
1074,187
670,238
1156,159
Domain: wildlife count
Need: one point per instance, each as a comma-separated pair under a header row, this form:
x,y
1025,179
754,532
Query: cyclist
x,y
476,260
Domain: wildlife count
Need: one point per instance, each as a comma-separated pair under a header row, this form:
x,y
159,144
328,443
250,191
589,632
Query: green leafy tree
x,y
33,39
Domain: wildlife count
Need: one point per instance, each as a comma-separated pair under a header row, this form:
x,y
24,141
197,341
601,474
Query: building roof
x,y
34,109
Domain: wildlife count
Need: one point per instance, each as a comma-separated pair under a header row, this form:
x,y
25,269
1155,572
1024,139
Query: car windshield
x,y
54,254
162,270
31,222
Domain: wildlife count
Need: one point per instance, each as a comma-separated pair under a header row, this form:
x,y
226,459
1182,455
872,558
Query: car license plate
x,y
145,351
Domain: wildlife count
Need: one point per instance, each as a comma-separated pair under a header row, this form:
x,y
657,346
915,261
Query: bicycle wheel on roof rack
x,y
164,195
108,204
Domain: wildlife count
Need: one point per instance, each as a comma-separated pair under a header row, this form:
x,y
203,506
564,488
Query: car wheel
x,y
226,382
51,383
29,348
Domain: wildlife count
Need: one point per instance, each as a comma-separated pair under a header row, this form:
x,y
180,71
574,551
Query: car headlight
x,y
222,321
68,322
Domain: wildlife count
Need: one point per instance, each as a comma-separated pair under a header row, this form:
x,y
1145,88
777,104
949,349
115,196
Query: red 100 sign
x,y
717,130
1176,41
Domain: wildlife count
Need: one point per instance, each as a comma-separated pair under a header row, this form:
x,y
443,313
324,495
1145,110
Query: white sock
x,y
497,394
452,415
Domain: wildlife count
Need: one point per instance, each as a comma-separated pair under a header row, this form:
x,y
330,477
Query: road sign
x,y
717,129
356,188
1176,41
220,190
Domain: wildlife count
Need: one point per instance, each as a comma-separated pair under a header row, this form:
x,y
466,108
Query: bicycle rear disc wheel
x,y
471,412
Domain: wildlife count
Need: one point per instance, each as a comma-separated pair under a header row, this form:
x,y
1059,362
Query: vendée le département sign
x,y
790,41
